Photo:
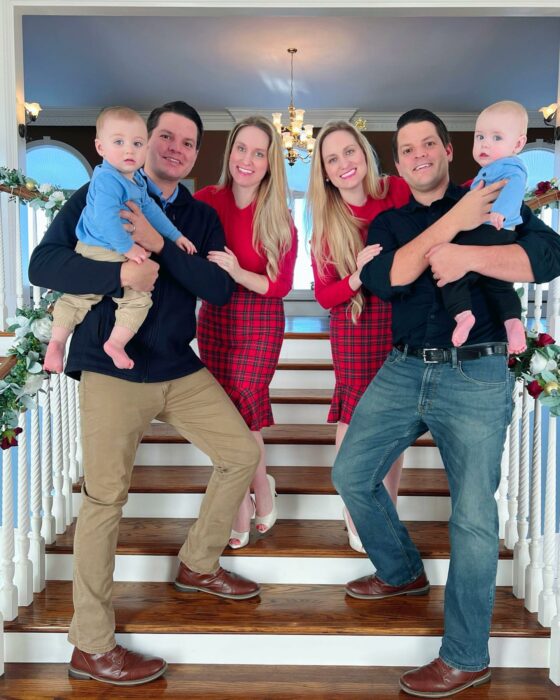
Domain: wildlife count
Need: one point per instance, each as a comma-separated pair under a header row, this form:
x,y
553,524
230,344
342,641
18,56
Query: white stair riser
x,y
299,349
300,413
290,506
284,570
276,455
311,379
301,650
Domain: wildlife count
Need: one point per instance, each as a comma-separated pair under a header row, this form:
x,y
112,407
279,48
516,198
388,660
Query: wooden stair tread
x,y
25,681
158,608
289,480
301,396
305,364
290,538
281,434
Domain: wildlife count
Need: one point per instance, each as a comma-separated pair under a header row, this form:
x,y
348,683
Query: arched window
x,y
56,163
538,158
298,182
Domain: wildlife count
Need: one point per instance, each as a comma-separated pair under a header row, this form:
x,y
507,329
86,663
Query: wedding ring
x,y
133,228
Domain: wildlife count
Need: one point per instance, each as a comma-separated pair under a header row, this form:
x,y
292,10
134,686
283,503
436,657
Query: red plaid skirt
x,y
240,344
358,352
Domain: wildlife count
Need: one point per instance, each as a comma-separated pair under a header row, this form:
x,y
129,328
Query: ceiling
x,y
368,64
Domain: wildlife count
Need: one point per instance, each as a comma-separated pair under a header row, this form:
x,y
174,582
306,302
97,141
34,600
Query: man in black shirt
x,y
168,382
462,395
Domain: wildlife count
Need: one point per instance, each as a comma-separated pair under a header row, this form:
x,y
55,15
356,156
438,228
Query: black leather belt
x,y
466,352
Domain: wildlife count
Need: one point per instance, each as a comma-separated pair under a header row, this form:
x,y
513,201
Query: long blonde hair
x,y
272,235
336,238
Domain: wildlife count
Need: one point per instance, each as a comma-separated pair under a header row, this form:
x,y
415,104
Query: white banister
x,y
547,603
521,549
48,521
37,543
19,268
534,572
24,568
511,525
34,241
3,312
503,488
537,312
8,591
73,464
59,506
66,480
79,453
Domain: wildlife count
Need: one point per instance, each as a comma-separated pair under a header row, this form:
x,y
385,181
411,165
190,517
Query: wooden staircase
x,y
308,639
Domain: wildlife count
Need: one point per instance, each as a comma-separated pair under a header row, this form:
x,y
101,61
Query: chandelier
x,y
297,137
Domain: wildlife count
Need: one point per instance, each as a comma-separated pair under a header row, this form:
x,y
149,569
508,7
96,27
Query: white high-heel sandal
x,y
242,537
268,520
353,538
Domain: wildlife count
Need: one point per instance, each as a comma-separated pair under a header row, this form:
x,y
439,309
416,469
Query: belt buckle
x,y
429,362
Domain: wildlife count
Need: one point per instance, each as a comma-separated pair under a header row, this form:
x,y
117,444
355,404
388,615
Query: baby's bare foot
x,y
465,321
54,357
118,355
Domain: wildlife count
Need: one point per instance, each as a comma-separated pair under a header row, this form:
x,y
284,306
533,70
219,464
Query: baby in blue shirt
x,y
122,140
500,134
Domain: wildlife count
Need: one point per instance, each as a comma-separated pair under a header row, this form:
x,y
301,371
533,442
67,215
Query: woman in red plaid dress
x,y
345,194
240,342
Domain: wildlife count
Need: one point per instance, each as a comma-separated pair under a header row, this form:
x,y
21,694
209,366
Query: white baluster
x,y
533,573
547,603
34,241
37,548
554,658
72,463
1,645
2,273
521,549
24,567
538,308
59,505
66,480
525,302
48,523
553,308
79,453
503,488
19,269
513,486
8,591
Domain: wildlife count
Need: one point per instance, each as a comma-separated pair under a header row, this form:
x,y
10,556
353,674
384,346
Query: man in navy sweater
x,y
168,382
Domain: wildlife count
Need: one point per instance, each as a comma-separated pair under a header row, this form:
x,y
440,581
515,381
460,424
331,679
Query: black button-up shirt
x,y
419,317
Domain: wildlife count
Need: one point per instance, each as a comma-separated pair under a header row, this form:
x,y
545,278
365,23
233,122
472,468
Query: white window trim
x,y
47,141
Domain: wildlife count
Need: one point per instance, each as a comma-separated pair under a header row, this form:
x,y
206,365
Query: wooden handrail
x,y
23,193
543,199
6,364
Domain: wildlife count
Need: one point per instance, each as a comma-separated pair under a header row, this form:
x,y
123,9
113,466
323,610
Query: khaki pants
x,y
132,308
114,415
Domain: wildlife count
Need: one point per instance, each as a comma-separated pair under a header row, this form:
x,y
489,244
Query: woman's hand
x,y
227,260
364,256
140,229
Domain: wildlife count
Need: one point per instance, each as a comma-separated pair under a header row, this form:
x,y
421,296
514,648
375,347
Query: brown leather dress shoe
x,y
373,588
438,680
118,666
224,584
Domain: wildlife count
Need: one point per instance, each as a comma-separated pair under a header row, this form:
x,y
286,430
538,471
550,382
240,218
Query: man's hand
x,y
140,229
448,262
141,278
473,209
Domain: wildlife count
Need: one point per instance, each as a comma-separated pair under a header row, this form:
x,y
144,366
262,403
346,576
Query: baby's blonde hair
x,y
511,107
117,112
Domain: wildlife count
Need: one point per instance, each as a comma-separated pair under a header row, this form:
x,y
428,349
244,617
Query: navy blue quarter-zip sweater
x,y
161,349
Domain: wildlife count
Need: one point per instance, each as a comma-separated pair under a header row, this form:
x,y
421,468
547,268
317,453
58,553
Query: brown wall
x,y
209,162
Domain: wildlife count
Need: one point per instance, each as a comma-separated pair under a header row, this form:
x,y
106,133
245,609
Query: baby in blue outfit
x,y
122,140
500,134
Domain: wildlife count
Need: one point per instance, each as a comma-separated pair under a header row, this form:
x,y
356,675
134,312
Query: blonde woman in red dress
x,y
240,342
345,194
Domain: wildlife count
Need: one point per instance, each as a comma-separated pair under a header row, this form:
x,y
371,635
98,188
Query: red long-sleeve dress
x,y
240,342
359,349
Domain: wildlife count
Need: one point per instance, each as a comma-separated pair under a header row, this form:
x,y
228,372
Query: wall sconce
x,y
32,110
549,117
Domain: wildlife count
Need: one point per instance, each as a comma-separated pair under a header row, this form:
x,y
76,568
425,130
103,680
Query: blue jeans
x,y
467,408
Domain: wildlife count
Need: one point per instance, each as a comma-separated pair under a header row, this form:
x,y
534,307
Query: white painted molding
x,y
223,120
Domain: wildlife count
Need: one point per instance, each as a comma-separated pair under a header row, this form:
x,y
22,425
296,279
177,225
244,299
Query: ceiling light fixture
x,y
297,137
